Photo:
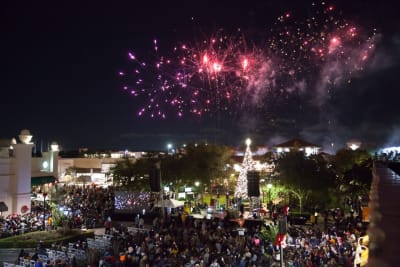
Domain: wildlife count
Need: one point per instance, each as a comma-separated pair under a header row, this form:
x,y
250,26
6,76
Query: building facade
x,y
297,145
19,171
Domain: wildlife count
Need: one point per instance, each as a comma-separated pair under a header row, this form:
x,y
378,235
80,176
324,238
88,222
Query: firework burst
x,y
226,72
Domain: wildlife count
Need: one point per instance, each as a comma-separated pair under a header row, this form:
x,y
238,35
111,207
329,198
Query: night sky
x,y
60,62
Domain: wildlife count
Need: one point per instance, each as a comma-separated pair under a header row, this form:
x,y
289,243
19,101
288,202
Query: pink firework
x,y
225,72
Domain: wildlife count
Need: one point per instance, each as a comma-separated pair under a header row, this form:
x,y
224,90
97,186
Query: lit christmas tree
x,y
241,187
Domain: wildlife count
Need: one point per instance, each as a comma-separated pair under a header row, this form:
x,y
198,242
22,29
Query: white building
x,y
298,145
86,170
19,171
353,144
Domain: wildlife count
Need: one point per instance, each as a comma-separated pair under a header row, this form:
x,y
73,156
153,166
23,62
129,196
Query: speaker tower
x,y
253,183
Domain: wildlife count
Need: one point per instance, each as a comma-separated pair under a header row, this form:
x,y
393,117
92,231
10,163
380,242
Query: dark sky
x,y
60,59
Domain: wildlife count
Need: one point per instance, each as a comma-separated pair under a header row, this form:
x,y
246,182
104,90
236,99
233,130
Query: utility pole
x,y
44,211
282,225
158,168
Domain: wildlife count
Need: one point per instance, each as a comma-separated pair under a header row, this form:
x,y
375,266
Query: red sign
x,y
280,240
24,209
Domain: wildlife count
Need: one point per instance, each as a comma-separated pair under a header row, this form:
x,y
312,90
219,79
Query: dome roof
x,y
25,132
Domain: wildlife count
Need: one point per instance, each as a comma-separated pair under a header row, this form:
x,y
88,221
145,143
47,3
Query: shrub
x,y
47,238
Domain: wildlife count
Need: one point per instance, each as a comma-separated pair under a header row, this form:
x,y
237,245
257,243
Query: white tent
x,y
170,203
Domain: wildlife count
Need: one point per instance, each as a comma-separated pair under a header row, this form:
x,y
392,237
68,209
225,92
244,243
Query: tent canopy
x,y
169,203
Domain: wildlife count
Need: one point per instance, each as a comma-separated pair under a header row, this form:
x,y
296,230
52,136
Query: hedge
x,y
31,240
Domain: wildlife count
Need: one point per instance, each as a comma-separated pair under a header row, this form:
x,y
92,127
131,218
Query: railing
x,y
375,232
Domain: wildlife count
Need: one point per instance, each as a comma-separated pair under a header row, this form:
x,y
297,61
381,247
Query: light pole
x,y
158,184
197,184
169,148
262,183
269,187
44,209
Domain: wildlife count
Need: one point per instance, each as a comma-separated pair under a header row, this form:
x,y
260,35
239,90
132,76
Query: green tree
x,y
201,163
345,159
59,219
269,233
354,171
323,189
304,176
206,162
171,171
132,175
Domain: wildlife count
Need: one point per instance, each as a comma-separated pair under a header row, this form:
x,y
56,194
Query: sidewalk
x,y
11,254
99,231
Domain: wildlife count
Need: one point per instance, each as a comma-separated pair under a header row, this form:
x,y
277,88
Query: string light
x,y
241,187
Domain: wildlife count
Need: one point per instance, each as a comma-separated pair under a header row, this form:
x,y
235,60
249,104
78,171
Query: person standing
x,y
50,223
38,263
107,225
141,222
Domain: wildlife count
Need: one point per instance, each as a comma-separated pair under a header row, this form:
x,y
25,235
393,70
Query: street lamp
x,y
169,148
262,191
44,209
269,187
197,184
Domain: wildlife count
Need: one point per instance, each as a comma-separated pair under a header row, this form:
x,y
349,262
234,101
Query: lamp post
x,y
170,149
44,209
227,200
158,184
262,183
198,194
269,187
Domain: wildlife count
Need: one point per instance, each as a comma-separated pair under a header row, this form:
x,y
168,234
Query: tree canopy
x,y
345,159
132,175
199,163
304,176
354,169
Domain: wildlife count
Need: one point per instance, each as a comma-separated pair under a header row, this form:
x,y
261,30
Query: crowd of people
x,y
15,224
184,241
200,242
387,156
86,206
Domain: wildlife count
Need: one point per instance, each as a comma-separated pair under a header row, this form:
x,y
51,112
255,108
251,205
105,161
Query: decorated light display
x,y
241,188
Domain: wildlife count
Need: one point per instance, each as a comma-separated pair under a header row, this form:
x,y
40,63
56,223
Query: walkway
x,y
389,201
11,254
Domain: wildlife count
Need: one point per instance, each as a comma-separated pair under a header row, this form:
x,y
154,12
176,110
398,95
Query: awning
x,y
87,170
83,179
170,203
39,180
3,206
